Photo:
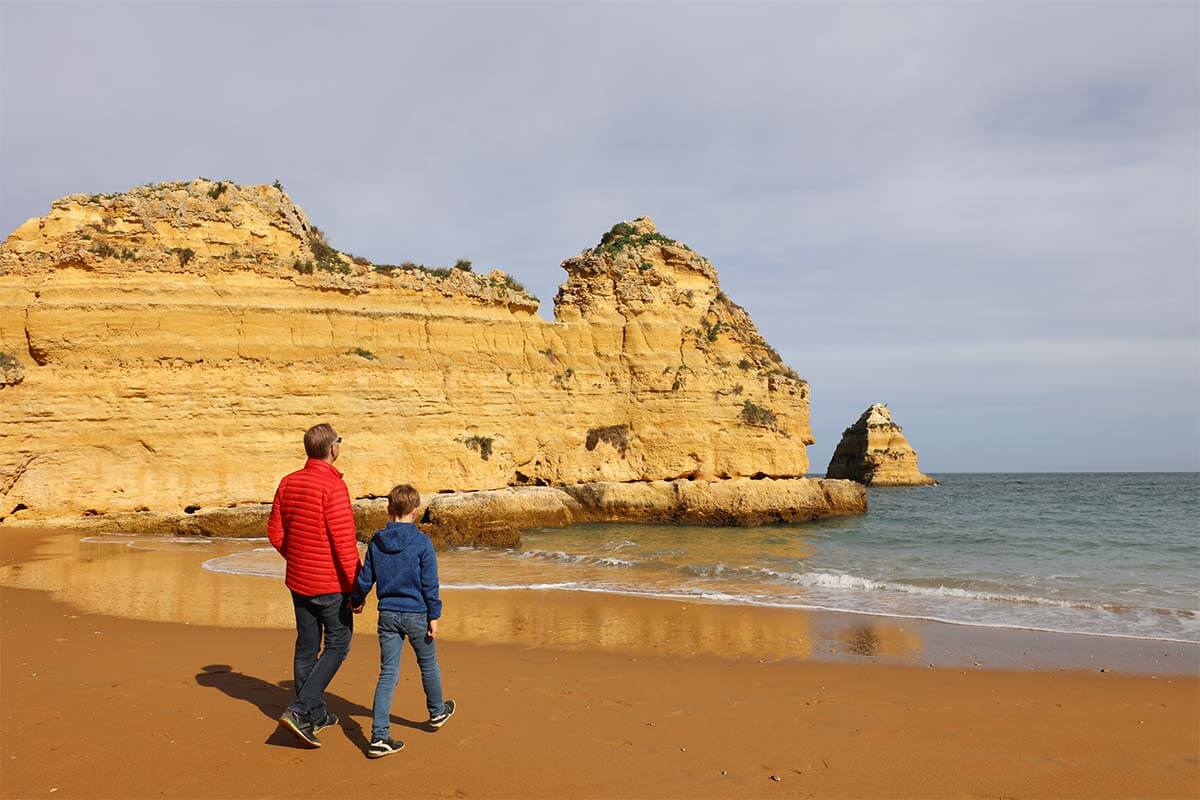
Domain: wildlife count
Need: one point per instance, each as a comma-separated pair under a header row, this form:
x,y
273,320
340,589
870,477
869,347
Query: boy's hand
x,y
433,628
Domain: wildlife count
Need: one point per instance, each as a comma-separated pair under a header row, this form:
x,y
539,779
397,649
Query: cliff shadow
x,y
273,699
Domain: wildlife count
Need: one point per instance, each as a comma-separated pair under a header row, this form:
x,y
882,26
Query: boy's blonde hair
x,y
403,500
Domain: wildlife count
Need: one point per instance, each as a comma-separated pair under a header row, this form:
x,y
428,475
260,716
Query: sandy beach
x,y
101,705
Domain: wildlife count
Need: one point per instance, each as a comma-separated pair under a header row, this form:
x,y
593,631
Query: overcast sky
x,y
984,214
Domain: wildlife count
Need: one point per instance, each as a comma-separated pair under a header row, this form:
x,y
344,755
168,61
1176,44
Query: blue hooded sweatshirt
x,y
400,559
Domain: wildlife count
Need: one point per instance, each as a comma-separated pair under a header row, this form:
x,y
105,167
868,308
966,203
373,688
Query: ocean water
x,y
1102,554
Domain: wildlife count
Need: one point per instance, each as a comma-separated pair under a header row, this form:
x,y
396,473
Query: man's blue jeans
x,y
325,616
394,626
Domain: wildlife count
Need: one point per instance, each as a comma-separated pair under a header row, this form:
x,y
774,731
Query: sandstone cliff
x,y
873,451
164,349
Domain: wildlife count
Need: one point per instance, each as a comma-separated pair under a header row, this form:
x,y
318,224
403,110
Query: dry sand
x,y
96,705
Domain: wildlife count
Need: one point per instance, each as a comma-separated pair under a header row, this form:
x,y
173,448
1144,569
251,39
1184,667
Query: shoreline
x,y
102,578
734,600
731,600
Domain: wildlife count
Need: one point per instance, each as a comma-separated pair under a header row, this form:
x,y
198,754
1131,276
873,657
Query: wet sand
x,y
103,696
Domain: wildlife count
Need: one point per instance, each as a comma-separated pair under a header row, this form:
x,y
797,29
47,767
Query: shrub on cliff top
x,y
326,256
217,190
509,282
788,372
463,264
437,272
623,235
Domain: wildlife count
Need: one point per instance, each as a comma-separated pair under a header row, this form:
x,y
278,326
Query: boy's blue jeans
x,y
394,626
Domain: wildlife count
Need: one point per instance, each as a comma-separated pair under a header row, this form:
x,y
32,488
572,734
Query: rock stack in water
x,y
163,350
873,451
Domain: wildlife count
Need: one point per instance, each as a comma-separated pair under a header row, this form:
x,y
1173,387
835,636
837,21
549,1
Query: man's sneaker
x,y
447,713
329,721
384,747
301,730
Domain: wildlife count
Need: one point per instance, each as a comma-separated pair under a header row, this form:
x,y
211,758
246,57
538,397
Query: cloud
x,y
906,180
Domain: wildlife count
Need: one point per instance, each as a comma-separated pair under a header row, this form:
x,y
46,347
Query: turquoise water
x,y
1101,554
1108,554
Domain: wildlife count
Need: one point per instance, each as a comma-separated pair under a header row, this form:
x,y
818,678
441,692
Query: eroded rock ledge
x,y
495,518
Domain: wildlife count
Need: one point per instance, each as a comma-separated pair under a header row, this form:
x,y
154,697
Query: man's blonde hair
x,y
403,500
319,439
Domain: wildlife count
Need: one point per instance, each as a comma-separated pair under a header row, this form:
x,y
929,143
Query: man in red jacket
x,y
312,527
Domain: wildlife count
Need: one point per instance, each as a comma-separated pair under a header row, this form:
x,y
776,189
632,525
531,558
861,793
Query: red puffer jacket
x,y
312,527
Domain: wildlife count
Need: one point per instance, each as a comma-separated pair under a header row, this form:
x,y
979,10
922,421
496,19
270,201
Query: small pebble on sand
x,y
776,778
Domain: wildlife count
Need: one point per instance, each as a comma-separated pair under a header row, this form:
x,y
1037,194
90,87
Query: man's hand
x,y
358,609
433,628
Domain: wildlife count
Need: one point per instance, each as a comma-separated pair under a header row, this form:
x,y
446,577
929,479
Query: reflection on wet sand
x,y
874,639
586,620
163,580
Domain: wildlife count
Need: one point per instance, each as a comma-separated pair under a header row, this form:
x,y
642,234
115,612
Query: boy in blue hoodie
x,y
401,562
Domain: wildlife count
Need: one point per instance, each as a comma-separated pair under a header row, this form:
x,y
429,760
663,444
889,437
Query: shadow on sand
x,y
272,699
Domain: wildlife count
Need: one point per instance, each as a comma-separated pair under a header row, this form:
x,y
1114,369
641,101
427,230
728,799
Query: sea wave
x,y
248,562
562,557
831,580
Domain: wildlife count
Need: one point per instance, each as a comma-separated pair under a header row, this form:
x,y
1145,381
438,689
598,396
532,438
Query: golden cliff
x,y
874,452
162,351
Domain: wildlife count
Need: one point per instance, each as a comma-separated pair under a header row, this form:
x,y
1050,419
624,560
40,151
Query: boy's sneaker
x,y
447,713
384,747
329,721
301,730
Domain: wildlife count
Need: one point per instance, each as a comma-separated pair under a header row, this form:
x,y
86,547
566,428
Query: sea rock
x,y
874,452
177,340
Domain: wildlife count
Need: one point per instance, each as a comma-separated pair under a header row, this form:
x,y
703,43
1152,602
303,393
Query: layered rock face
x,y
874,452
163,351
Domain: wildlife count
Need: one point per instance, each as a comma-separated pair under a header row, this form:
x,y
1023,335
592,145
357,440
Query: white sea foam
x,y
137,542
580,558
837,581
258,562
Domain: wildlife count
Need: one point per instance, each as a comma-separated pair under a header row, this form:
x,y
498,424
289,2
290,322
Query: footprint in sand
x,y
488,728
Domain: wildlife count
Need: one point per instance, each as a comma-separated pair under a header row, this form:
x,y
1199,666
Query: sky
x,y
984,214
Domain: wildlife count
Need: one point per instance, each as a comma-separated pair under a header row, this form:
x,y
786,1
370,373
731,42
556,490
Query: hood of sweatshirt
x,y
399,536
